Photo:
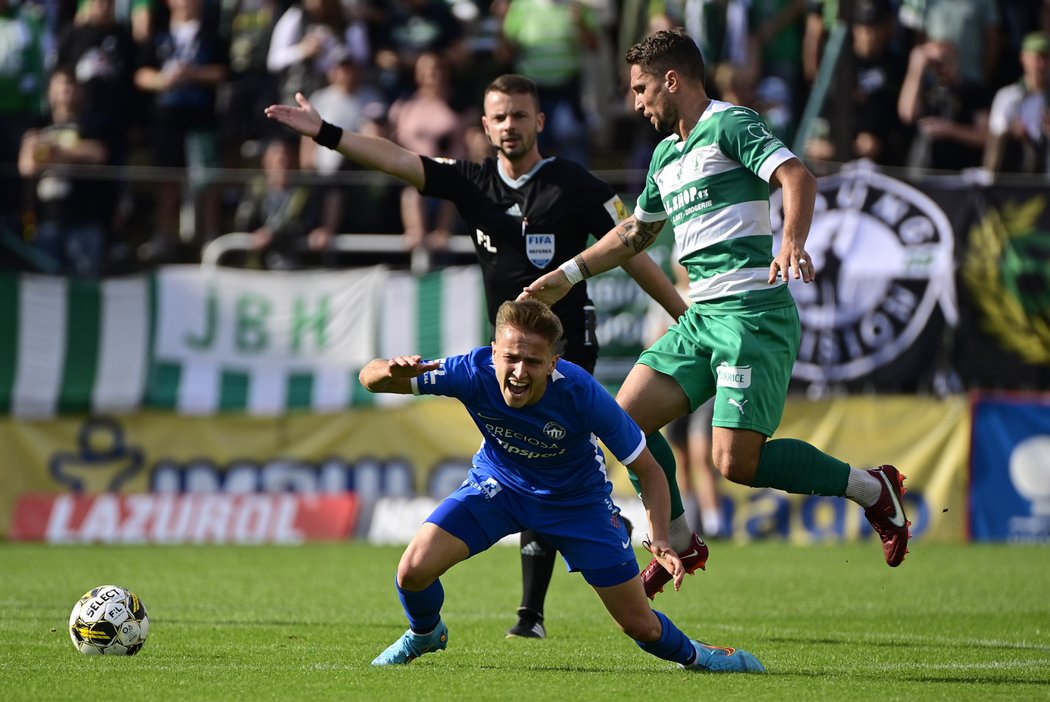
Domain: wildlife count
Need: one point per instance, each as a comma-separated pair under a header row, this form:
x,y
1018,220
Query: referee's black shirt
x,y
526,227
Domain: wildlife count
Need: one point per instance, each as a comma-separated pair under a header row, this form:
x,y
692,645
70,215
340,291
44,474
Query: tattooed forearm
x,y
638,235
583,266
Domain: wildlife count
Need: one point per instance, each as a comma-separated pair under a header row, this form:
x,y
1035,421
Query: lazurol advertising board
x,y
216,518
884,254
161,477
1010,469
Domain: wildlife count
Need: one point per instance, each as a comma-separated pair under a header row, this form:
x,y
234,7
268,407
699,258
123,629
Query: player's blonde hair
x,y
531,316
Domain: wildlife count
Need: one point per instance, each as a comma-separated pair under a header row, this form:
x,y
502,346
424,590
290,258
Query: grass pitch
x,y
303,623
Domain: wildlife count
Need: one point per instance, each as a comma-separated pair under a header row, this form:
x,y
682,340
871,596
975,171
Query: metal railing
x,y
419,259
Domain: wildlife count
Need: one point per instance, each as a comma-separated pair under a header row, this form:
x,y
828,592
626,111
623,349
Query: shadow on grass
x,y
909,643
1000,680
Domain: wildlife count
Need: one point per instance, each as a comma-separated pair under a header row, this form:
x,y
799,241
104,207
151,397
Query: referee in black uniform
x,y
528,214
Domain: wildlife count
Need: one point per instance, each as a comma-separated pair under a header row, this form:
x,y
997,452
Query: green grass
x,y
303,623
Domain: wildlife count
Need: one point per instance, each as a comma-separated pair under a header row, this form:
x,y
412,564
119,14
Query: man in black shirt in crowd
x,y
528,215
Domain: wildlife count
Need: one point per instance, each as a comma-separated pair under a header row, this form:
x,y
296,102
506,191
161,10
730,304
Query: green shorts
x,y
744,359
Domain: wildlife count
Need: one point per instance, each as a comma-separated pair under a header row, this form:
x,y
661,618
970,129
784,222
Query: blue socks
x,y
672,645
422,608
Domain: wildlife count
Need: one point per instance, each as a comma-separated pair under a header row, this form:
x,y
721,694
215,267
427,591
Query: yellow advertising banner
x,y
927,439
423,447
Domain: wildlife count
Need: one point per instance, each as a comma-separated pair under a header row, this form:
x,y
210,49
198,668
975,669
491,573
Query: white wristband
x,y
572,271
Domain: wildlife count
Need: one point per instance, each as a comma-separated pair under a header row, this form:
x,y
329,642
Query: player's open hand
x,y
792,262
548,288
410,366
303,119
667,557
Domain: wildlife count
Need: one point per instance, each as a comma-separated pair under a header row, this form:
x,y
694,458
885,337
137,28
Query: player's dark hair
x,y
532,316
666,50
514,84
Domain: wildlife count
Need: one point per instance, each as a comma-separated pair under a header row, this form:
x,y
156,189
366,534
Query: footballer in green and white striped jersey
x,y
714,187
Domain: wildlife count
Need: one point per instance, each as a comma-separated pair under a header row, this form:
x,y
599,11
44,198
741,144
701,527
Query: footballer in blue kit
x,y
539,467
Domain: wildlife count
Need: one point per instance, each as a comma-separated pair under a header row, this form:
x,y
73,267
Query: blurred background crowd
x,y
132,132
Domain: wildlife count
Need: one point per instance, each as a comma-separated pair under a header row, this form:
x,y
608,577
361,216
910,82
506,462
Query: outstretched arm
x,y
394,375
374,153
623,241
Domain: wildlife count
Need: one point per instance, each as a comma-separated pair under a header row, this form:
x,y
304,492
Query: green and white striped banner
x,y
72,346
260,341
435,315
204,341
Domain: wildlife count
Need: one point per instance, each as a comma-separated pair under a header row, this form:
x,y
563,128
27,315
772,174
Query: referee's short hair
x,y
514,84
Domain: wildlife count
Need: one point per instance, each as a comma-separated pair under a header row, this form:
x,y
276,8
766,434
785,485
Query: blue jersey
x,y
548,448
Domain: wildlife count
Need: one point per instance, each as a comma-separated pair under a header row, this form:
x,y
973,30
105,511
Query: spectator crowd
x,y
132,131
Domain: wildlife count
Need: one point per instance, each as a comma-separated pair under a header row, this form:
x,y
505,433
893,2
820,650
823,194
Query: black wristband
x,y
329,135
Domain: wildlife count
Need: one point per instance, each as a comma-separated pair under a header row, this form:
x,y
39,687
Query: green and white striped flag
x,y
435,315
72,346
204,341
261,341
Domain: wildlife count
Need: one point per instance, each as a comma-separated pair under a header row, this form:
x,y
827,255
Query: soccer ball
x,y
109,620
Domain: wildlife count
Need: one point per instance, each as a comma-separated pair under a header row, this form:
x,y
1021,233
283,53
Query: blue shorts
x,y
590,536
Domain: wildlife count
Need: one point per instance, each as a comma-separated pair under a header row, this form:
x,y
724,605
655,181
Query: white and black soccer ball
x,y
109,620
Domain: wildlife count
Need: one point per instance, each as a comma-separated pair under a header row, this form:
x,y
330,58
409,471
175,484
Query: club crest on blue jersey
x,y
554,430
540,249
